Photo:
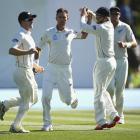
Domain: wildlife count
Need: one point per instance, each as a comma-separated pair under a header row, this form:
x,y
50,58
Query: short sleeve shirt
x,y
59,44
23,40
122,33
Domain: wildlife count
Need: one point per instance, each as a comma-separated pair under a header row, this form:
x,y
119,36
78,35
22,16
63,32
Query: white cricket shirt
x,y
23,40
59,44
122,33
104,37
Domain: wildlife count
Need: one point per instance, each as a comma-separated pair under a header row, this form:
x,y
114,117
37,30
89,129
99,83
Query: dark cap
x,y
25,16
103,11
115,10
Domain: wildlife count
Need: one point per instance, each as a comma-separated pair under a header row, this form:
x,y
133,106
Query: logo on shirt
x,y
94,27
119,31
55,37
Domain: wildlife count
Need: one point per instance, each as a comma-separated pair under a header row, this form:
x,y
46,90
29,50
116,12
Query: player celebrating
x,y
58,71
24,50
123,39
105,66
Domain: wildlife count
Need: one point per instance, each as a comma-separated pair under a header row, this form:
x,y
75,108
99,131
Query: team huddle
x,y
113,37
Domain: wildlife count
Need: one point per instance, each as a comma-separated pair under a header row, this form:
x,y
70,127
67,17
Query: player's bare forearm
x,y
37,54
84,35
91,15
19,52
83,11
131,44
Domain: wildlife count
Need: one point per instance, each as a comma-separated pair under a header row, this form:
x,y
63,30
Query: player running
x,y
24,51
58,71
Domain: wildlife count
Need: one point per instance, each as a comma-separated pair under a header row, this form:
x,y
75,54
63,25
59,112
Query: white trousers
x,y
28,89
60,75
117,85
104,70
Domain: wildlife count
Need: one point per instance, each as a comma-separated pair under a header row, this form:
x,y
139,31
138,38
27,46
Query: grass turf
x,y
71,125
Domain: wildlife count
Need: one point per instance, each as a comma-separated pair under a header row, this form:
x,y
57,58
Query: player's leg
x,y
65,87
111,89
121,77
35,91
47,88
24,106
102,74
99,103
23,79
112,112
7,104
109,74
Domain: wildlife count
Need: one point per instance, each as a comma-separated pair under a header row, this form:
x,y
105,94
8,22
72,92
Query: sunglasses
x,y
114,14
28,19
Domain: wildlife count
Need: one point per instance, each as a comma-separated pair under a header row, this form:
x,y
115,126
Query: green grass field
x,y
71,125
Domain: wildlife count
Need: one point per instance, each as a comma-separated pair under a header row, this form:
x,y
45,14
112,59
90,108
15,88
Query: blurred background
x,y
83,50
131,15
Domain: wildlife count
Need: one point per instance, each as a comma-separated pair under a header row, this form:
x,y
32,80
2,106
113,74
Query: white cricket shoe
x,y
74,103
47,127
113,122
18,130
121,121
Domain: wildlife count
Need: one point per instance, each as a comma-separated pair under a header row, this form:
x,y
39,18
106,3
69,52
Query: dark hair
x,y
61,10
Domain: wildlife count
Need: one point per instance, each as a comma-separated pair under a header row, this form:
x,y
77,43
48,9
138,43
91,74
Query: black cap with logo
x,y
25,16
103,11
115,9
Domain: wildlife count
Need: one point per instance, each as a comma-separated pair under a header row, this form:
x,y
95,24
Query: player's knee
x,y
28,90
25,107
67,101
46,99
35,100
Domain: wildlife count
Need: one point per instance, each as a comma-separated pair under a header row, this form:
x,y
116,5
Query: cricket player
x,y
105,65
58,71
24,50
123,39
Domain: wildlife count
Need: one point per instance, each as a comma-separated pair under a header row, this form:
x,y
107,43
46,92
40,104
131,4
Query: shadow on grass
x,y
4,132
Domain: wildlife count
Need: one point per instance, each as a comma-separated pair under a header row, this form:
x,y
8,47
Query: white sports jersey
x,y
104,37
122,33
24,41
59,44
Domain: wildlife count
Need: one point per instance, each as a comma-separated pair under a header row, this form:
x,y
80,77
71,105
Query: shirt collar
x,y
119,24
61,31
25,31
